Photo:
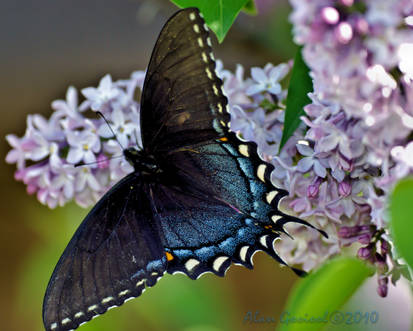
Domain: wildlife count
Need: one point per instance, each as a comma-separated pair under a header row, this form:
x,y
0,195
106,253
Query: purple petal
x,y
327,143
39,153
80,182
74,156
254,89
71,97
84,105
345,149
90,93
93,183
348,206
68,190
60,105
123,139
15,156
104,131
89,157
13,140
299,205
338,174
279,72
105,83
304,149
305,164
275,89
258,74
319,170
117,117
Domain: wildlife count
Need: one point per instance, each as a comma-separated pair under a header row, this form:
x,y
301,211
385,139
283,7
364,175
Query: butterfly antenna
x,y
97,162
111,130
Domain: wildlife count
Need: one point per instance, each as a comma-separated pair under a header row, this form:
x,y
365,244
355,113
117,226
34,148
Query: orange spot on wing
x,y
169,256
223,139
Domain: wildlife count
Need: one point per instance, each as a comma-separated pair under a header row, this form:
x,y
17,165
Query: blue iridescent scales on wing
x,y
200,197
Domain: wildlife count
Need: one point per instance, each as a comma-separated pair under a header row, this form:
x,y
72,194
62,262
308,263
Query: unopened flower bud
x,y
382,290
364,253
344,188
312,190
344,232
102,161
364,239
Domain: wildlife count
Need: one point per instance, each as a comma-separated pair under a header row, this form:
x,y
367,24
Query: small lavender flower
x,y
18,153
360,118
83,147
123,129
99,97
85,178
267,80
63,181
311,160
382,289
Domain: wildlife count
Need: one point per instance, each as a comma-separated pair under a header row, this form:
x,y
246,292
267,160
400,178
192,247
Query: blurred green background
x,y
45,46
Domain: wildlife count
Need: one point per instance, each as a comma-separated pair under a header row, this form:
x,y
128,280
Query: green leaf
x,y
218,14
297,97
188,303
317,297
250,8
401,213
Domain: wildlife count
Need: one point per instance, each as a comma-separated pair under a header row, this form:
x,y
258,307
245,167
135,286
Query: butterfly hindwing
x,y
182,99
116,251
221,207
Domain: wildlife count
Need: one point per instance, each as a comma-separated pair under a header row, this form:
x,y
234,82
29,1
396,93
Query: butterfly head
x,y
142,162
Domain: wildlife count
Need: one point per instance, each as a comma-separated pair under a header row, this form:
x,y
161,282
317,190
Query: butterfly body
x,y
142,162
199,198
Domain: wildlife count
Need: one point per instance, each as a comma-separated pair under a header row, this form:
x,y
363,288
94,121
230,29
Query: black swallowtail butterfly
x,y
198,200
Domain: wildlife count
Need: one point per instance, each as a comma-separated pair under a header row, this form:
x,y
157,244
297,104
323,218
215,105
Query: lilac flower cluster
x,y
49,150
360,120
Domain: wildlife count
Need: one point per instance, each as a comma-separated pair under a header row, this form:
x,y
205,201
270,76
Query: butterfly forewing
x,y
182,99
